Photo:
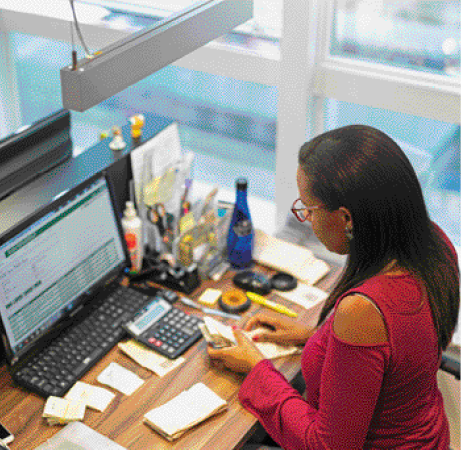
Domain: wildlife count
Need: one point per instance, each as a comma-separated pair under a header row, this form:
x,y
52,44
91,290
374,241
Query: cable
x,y
74,52
77,29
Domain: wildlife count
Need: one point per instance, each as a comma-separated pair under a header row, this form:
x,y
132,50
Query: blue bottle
x,y
241,235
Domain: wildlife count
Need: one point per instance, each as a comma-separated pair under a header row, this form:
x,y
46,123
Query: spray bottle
x,y
132,229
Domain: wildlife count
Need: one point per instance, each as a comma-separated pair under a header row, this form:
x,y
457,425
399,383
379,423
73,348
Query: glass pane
x,y
433,148
229,124
421,35
265,28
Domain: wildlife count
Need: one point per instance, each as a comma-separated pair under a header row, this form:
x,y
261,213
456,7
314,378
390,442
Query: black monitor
x,y
33,150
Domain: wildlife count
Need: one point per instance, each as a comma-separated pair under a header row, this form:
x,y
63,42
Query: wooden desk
x,y
122,421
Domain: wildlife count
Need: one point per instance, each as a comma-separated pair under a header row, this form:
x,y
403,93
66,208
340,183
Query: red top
x,y
382,396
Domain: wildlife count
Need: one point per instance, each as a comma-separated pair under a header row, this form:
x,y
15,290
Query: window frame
x,y
304,50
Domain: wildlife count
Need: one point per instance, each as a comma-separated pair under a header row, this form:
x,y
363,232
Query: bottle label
x,y
242,228
131,240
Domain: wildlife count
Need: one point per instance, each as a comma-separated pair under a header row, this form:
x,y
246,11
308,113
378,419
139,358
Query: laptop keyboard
x,y
55,370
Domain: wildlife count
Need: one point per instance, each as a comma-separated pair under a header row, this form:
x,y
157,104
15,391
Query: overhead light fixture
x,y
91,80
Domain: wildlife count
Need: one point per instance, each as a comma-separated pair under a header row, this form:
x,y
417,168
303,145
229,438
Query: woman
x,y
370,365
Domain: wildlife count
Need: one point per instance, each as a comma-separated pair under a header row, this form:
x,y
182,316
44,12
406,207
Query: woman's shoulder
x,y
358,321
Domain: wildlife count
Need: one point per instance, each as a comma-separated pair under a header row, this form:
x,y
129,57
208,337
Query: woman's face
x,y
328,226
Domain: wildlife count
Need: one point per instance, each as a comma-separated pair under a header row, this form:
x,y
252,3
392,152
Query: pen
x,y
270,304
215,312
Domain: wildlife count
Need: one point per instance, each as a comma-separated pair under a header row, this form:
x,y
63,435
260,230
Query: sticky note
x,y
119,378
210,296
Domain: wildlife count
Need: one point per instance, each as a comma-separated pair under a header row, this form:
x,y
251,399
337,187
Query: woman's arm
x,y
351,380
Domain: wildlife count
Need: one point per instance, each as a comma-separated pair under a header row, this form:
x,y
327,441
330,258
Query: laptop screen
x,y
50,262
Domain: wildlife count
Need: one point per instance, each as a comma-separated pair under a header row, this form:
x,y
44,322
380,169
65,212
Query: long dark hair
x,y
364,170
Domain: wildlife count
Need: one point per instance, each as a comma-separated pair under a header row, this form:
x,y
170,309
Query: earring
x,y
349,234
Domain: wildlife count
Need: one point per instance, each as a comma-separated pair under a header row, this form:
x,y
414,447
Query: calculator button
x,y
188,331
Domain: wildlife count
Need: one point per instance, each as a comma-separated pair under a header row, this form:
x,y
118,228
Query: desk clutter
x,y
173,244
71,407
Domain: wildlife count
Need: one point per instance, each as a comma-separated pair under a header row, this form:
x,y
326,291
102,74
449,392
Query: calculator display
x,y
148,316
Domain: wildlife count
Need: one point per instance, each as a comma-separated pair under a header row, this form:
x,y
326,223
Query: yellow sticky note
x,y
210,296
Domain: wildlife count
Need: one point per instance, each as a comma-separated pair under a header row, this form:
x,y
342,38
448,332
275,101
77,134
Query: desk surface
x,y
122,421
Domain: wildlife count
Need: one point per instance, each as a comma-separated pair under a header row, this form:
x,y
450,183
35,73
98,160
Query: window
x,y
258,107
400,75
229,124
432,147
420,35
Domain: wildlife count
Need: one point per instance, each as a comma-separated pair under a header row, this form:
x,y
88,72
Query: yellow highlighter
x,y
270,304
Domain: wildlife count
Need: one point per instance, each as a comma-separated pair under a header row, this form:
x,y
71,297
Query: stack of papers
x,y
92,396
60,411
222,336
189,408
148,358
302,264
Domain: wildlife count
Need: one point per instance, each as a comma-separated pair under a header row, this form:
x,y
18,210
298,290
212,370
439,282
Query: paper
x,y
210,297
121,379
155,155
215,327
148,358
271,350
78,436
184,411
304,295
149,161
92,396
160,189
301,263
60,410
268,349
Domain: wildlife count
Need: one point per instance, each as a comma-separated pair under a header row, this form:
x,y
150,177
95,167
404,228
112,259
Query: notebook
x,y
53,265
186,410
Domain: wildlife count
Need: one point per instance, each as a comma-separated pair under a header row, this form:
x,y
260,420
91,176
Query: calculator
x,y
164,328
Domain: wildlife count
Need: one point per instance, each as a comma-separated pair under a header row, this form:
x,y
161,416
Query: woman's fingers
x,y
261,320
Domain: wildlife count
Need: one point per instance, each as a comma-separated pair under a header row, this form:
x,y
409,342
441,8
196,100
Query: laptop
x,y
59,288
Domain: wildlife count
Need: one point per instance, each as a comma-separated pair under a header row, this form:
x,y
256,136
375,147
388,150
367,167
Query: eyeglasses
x,y
302,212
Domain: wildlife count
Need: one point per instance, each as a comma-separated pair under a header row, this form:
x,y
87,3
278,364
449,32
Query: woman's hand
x,y
279,329
241,357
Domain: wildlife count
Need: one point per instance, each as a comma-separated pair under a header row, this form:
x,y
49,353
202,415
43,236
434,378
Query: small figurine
x,y
117,142
137,122
104,134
